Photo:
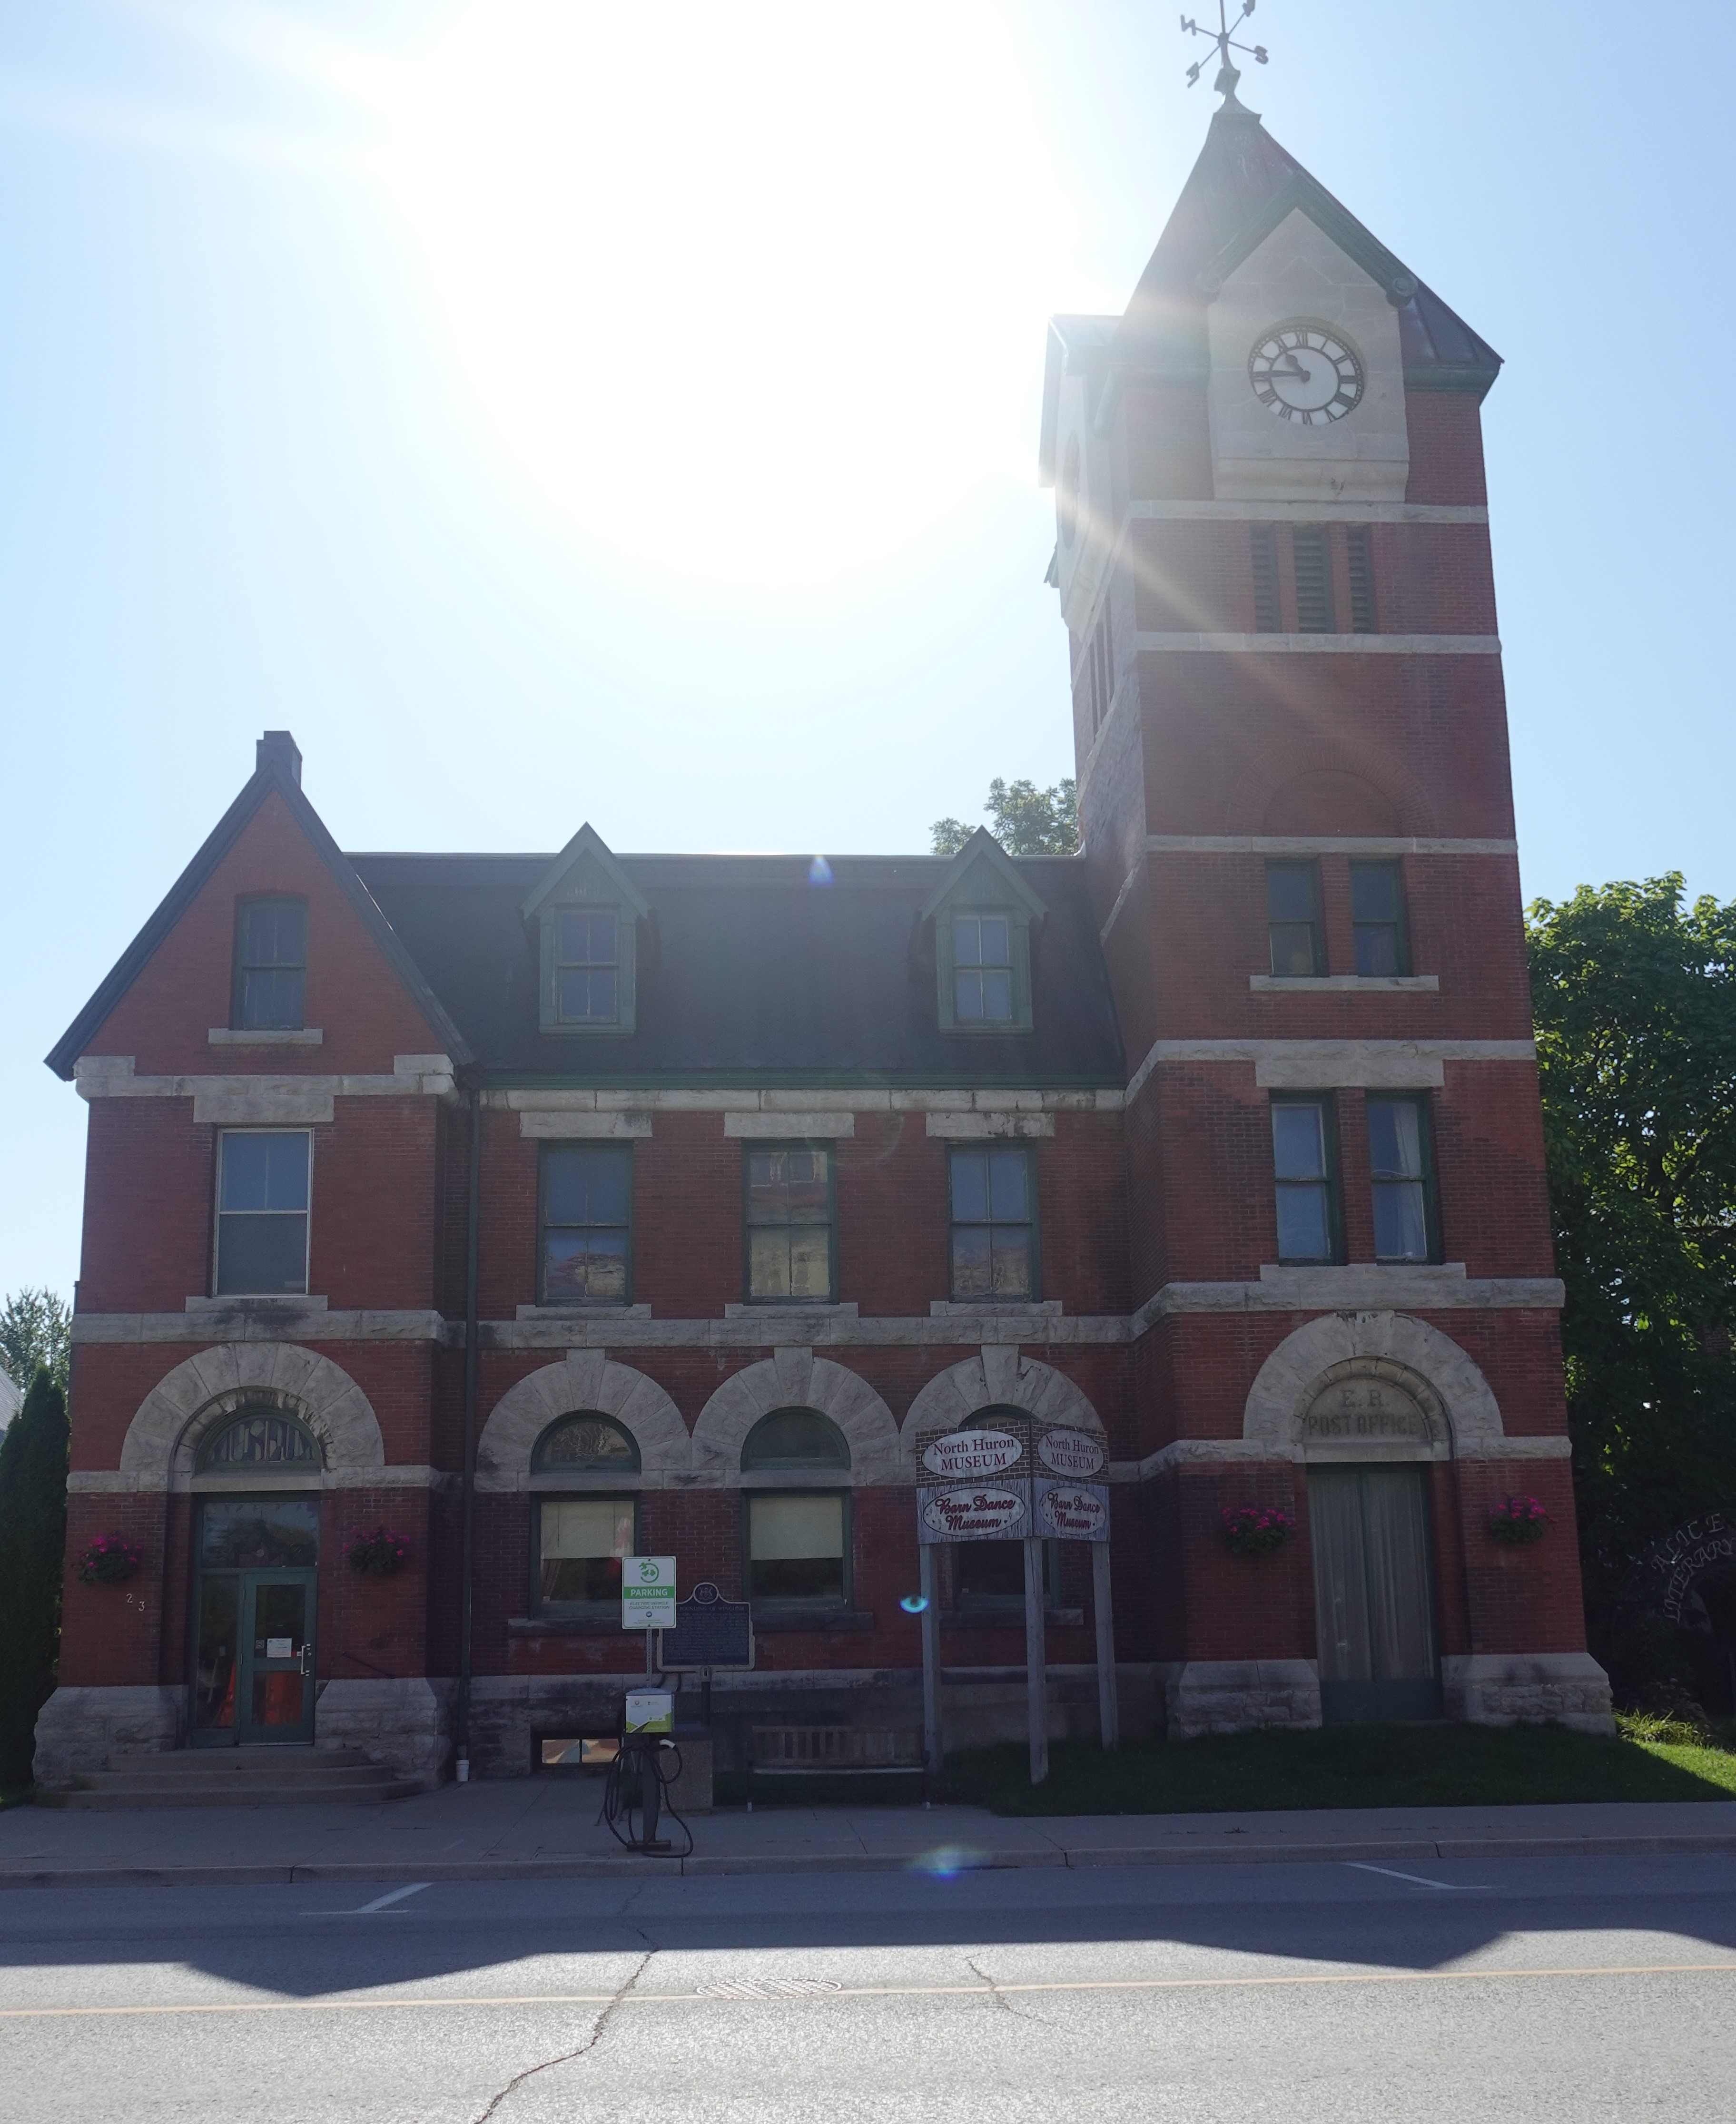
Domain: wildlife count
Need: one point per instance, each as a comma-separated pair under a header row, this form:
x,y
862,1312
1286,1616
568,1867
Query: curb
x,y
712,1866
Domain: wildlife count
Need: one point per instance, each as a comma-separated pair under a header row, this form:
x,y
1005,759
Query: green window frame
x,y
589,976
777,1525
1295,934
270,990
1304,1165
993,1252
789,1224
1310,546
983,956
262,1239
586,1443
585,1224
1377,919
577,1542
1401,1177
260,1441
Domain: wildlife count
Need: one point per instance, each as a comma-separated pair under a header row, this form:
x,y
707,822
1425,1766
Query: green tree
x,y
36,1328
1634,992
1028,821
33,1455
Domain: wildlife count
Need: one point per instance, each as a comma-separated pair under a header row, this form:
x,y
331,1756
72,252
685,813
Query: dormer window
x,y
982,969
585,917
587,965
271,965
982,913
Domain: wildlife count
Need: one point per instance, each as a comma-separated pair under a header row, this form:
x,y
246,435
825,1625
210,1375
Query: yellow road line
x,y
869,1991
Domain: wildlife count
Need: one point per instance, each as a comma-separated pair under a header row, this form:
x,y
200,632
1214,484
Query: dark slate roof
x,y
749,973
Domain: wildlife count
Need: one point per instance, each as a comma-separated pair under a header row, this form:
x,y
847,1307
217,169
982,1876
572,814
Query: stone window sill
x,y
776,1617
772,1308
949,1309
299,1036
1345,984
583,1312
269,1308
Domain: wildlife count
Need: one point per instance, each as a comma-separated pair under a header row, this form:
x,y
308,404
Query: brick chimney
x,y
277,748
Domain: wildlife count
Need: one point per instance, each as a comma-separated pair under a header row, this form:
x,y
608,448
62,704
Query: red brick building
x,y
605,1205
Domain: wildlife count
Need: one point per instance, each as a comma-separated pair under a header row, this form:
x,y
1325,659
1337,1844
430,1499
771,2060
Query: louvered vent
x,y
1313,580
1264,547
1360,544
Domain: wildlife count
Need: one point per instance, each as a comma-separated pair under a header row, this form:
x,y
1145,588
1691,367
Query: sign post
x,y
648,1597
1009,1477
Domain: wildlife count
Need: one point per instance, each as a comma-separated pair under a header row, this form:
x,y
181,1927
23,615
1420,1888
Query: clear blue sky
x,y
553,411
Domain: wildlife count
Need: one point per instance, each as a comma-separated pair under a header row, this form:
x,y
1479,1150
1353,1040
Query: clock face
x,y
1302,371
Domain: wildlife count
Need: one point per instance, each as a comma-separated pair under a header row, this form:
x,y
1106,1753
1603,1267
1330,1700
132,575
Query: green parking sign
x,y
647,1593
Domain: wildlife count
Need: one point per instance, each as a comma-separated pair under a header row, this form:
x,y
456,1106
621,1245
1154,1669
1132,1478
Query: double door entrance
x,y
1374,1592
257,1601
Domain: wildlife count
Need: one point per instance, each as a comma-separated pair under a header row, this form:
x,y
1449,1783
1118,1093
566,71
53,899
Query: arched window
x,y
586,1445
263,1441
794,1438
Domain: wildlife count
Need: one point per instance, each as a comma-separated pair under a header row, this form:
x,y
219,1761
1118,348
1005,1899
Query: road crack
x,y
567,2057
997,1996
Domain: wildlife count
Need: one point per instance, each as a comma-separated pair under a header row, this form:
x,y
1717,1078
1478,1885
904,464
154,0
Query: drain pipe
x,y
467,1563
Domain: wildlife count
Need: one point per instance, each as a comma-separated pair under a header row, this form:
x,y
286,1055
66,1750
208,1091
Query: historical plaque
x,y
710,1632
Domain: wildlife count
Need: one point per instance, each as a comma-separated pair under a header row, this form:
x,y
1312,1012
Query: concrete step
x,y
235,1777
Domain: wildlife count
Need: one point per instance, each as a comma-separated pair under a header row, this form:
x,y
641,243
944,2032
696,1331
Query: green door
x,y
1374,1593
253,1667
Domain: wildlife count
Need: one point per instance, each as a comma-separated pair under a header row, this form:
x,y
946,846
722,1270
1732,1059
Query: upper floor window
x,y
1377,915
792,1439
1304,1166
587,1223
262,1212
790,1251
994,1225
1293,920
982,969
1399,1173
271,965
587,961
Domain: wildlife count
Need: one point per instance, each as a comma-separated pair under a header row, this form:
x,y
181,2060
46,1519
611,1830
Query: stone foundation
x,y
78,1729
1530,1689
406,1723
1234,1696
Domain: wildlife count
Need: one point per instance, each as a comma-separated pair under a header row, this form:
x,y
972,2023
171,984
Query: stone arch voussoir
x,y
1340,1345
162,1439
586,1382
1000,1378
797,1379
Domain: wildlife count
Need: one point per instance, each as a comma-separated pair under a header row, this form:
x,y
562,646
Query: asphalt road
x,y
1538,1990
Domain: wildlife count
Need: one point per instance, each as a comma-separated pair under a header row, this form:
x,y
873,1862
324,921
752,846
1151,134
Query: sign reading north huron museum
x,y
1009,1478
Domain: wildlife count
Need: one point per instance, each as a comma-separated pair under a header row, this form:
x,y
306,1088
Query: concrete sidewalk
x,y
546,1828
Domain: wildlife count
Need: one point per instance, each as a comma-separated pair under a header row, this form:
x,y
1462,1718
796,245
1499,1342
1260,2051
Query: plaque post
x,y
1108,1708
931,1741
1036,1681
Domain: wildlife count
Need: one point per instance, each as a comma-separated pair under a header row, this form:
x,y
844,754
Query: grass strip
x,y
1338,1766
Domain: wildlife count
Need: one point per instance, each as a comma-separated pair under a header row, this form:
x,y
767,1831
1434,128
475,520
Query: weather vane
x,y
1227,74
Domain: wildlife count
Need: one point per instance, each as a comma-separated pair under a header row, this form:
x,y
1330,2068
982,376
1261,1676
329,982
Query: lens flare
x,y
913,1603
820,871
947,1861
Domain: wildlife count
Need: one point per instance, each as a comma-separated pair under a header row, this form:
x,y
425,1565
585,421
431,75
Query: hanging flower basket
x,y
1256,1530
377,1551
110,1558
1519,1520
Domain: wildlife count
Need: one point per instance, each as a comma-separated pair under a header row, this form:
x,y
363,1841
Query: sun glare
x,y
758,290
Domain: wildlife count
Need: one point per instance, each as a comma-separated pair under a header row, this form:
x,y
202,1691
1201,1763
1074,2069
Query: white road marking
x,y
382,1903
1452,1886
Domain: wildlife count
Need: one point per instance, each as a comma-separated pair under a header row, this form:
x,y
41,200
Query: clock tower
x,y
1273,564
